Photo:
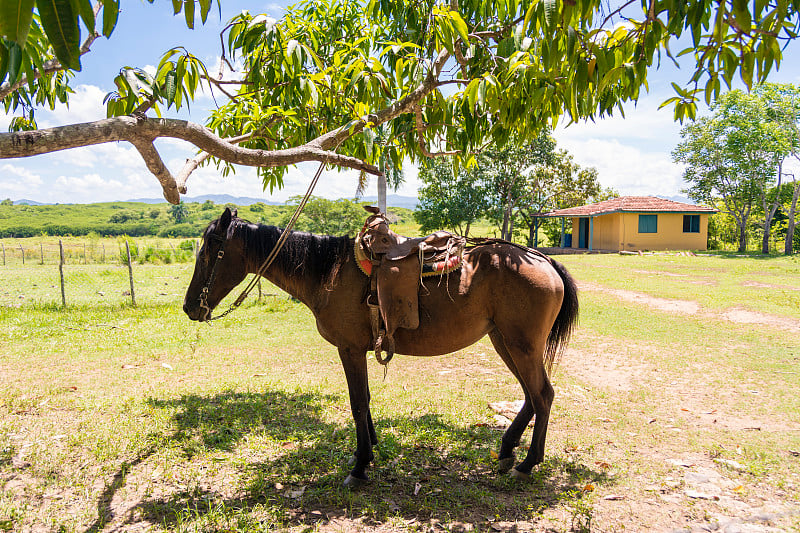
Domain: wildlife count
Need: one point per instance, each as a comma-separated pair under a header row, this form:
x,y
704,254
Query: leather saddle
x,y
396,265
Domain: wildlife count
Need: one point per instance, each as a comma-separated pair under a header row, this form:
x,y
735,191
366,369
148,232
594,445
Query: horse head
x,y
219,268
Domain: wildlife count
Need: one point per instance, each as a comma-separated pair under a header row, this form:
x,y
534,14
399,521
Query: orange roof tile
x,y
650,204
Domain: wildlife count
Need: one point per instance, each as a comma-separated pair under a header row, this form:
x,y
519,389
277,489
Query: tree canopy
x,y
735,155
442,78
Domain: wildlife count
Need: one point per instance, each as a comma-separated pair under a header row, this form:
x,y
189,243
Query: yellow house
x,y
636,223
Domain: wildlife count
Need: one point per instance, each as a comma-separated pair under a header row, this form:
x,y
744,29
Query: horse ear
x,y
225,219
372,209
235,213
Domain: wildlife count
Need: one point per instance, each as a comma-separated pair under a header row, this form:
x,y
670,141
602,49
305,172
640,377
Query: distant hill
x,y
394,200
220,199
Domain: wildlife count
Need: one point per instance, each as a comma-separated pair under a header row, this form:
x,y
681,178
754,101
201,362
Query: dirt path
x,y
687,307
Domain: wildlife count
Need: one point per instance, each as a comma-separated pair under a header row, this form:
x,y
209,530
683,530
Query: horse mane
x,y
303,254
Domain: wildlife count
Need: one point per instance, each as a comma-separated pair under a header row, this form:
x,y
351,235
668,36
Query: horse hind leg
x,y
527,358
512,435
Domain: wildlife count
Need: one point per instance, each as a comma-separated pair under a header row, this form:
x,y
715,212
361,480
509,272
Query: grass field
x,y
676,407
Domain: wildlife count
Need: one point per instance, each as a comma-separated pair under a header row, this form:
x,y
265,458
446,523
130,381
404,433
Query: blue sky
x,y
632,154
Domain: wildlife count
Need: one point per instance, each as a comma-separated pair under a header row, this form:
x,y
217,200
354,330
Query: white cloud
x,y
628,169
631,154
84,106
96,188
16,182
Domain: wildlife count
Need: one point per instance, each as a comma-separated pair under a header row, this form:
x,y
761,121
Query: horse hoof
x,y
351,482
504,465
520,476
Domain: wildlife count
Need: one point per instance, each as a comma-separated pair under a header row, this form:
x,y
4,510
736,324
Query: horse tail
x,y
566,319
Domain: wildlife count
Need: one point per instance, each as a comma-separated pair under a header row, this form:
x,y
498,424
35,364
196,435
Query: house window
x,y
648,223
691,223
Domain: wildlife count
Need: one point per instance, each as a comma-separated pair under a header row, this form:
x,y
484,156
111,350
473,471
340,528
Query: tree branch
x,y
142,131
404,105
156,165
192,164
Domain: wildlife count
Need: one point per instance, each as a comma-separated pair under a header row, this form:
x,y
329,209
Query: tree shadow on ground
x,y
427,470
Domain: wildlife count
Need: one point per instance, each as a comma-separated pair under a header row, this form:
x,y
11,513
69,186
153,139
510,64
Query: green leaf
x,y
110,16
205,7
550,13
746,68
84,9
3,62
14,62
26,68
188,13
742,15
15,20
170,87
177,5
61,26
460,26
570,41
369,141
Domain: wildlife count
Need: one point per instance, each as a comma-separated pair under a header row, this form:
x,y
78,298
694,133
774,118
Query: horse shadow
x,y
427,470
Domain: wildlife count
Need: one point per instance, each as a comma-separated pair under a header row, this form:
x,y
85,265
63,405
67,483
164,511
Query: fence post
x,y
104,252
61,272
84,253
23,253
4,253
130,272
41,253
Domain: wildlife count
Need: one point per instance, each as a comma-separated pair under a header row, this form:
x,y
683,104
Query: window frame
x,y
648,223
693,223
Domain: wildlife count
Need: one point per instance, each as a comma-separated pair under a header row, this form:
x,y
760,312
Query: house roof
x,y
633,204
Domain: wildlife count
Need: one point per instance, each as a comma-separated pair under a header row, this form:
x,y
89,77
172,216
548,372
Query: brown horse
x,y
526,303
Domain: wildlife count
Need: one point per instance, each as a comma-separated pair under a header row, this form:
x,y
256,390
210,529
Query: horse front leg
x,y
355,371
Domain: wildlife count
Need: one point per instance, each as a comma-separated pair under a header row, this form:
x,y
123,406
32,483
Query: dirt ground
x,y
700,492
660,488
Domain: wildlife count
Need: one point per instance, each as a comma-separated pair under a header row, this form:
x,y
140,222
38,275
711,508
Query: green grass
x,y
114,416
768,284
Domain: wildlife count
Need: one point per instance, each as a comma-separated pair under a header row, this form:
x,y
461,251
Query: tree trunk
x,y
789,242
742,236
767,233
769,212
466,231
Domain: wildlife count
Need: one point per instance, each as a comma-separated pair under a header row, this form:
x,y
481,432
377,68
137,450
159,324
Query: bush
x,y
156,256
123,253
181,230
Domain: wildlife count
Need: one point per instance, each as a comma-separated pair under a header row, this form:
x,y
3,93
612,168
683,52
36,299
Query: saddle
x,y
396,266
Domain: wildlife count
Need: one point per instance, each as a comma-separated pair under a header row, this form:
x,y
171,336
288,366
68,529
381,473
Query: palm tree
x,y
179,212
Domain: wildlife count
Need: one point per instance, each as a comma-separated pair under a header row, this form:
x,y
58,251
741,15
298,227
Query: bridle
x,y
203,298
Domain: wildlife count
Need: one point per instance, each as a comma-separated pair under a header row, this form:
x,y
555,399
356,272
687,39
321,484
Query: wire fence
x,y
113,272
106,252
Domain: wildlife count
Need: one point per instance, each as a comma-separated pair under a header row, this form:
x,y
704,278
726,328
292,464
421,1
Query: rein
x,y
264,266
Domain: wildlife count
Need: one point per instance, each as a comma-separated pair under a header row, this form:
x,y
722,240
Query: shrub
x,y
181,230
